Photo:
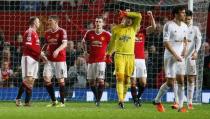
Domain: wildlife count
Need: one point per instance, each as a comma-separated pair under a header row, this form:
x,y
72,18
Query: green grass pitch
x,y
110,110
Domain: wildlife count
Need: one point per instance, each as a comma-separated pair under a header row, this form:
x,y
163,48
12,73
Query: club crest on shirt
x,y
92,37
102,38
57,35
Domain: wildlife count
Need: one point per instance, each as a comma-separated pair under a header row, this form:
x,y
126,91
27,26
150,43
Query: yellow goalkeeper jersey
x,y
123,37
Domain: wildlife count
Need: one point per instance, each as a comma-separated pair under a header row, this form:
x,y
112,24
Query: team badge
x,y
102,38
57,35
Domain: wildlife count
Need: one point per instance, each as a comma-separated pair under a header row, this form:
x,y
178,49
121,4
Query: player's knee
x,y
127,79
119,77
47,83
101,82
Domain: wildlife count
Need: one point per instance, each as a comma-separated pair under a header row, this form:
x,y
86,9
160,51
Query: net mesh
x,y
77,16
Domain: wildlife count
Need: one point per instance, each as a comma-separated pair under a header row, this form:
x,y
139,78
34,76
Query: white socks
x,y
190,92
176,93
163,89
181,95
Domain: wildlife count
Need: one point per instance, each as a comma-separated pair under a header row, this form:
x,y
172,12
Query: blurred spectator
x,y
6,54
5,75
79,49
206,68
76,76
71,54
160,78
16,54
2,38
30,5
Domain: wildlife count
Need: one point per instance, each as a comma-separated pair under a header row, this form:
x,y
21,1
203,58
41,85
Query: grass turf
x,y
81,110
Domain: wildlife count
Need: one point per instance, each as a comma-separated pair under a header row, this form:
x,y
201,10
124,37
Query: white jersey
x,y
175,34
194,40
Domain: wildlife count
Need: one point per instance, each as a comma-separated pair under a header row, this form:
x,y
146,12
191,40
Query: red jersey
x,y
54,39
5,74
97,45
31,46
139,44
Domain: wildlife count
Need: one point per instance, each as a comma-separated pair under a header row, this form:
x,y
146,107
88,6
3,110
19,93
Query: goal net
x,y
77,16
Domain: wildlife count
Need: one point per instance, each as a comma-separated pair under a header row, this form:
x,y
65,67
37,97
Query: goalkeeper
x,y
122,43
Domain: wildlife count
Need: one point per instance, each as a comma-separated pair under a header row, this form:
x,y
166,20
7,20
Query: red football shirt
x,y
139,44
97,45
31,46
54,39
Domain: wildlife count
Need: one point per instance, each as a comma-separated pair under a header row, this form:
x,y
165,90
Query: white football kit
x,y
194,44
174,34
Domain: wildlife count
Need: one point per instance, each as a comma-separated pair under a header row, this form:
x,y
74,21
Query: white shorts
x,y
59,69
191,67
96,70
181,67
29,67
140,69
172,67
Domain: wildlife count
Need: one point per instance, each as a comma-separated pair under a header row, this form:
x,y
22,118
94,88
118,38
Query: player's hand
x,y
149,13
43,57
194,55
122,13
108,59
55,53
178,58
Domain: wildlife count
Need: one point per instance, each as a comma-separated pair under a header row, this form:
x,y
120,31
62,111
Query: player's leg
x,y
100,80
129,69
170,74
176,101
28,82
91,77
133,86
120,69
191,75
142,78
190,90
34,68
48,74
141,87
22,86
180,82
126,85
133,90
29,73
61,74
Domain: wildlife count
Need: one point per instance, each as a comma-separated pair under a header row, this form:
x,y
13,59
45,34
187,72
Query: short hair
x,y
31,20
189,13
54,17
100,17
177,9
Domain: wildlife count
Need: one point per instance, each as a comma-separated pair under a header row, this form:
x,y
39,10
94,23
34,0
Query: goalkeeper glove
x,y
108,59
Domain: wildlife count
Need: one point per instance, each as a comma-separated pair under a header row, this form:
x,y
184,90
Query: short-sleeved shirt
x,y
54,39
97,45
31,44
139,44
175,34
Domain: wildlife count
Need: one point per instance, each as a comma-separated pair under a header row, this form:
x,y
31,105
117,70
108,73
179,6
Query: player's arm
x,y
62,46
28,45
197,43
152,27
136,19
111,46
84,43
166,41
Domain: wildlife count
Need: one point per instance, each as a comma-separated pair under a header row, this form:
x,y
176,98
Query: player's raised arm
x,y
153,26
111,46
136,17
